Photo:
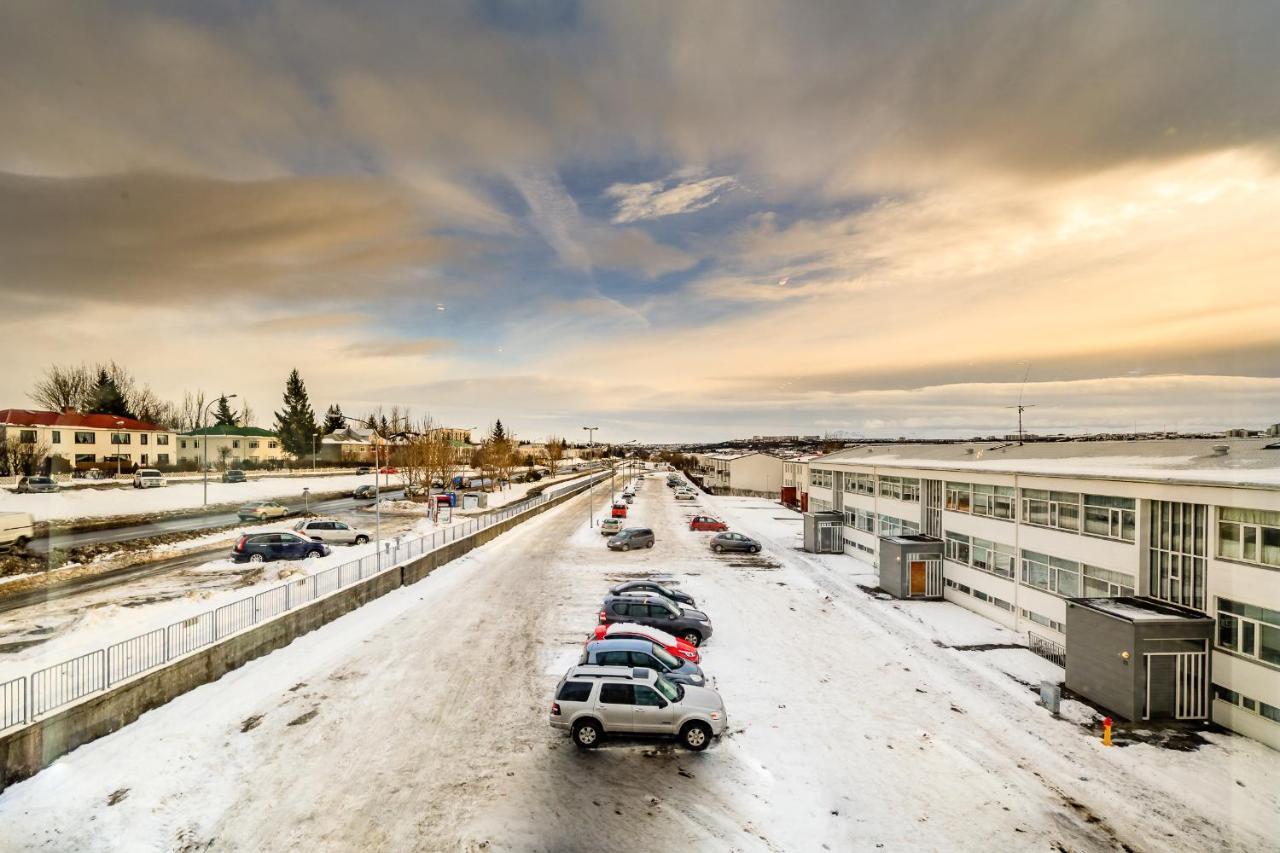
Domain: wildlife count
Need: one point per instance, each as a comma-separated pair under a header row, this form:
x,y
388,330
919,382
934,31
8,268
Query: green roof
x,y
223,429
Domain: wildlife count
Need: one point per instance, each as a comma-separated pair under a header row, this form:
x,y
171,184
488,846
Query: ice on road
x,y
418,722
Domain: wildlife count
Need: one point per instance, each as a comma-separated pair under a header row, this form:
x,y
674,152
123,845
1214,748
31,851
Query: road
x,y
419,723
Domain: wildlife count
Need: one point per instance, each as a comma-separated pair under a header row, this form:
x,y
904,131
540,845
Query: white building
x,y
86,441
230,446
746,473
1026,527
795,481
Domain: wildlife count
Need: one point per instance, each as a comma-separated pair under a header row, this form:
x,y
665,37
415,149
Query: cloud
x,y
655,199
396,349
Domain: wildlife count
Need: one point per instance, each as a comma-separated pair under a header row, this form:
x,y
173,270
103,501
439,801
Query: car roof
x,y
624,645
627,673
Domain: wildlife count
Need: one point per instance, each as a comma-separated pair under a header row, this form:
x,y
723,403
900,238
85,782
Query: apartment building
x,y
230,446
748,473
85,441
1026,529
795,481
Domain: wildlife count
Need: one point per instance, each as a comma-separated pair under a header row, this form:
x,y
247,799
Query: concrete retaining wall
x,y
29,750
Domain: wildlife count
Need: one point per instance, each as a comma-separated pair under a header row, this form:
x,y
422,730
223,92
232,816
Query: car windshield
x,y
674,692
666,658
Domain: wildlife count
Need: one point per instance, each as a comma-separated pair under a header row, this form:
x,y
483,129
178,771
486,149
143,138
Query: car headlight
x,y
696,679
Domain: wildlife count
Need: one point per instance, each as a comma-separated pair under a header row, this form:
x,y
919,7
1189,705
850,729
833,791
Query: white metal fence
x,y
25,699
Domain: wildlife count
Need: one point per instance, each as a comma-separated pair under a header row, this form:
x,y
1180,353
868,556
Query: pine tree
x,y
297,423
106,398
334,420
223,416
498,433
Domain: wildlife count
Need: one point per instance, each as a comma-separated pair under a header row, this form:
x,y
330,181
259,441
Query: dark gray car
x,y
692,626
642,653
684,599
630,538
729,541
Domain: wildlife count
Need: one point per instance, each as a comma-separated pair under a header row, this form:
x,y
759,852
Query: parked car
x,y
628,499
363,469
692,626
235,475
686,495
645,653
96,474
633,630
619,510
261,547
684,599
148,478
16,530
722,542
629,492
35,485
594,701
610,526
388,470
364,493
630,538
706,522
262,510
331,531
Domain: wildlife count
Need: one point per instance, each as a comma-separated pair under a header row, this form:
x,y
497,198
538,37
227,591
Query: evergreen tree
x,y
223,416
105,398
498,433
333,420
296,424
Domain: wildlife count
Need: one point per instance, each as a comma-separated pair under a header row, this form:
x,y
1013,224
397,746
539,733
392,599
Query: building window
x,y
144,459
162,439
993,557
121,438
1249,535
819,505
993,501
1110,517
235,442
162,458
1231,697
1045,621
957,547
821,479
27,436
900,488
84,457
979,594
862,484
182,443
271,445
1051,509
86,438
253,445
959,497
56,437
890,526
142,439
1249,630
1104,583
1178,552
1052,574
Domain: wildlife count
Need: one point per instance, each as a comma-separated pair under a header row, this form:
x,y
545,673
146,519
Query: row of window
x,y
1250,535
28,436
887,525
1249,630
900,488
1043,620
235,443
859,484
1262,709
1103,515
982,554
979,594
981,499
161,458
820,478
1071,579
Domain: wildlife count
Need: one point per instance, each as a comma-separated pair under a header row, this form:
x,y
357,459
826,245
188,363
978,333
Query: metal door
x,y
1177,685
918,574
933,578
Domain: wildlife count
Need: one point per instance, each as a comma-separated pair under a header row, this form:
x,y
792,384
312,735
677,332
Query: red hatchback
x,y
627,631
619,511
706,522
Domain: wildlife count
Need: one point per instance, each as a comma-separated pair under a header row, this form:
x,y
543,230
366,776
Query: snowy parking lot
x,y
420,722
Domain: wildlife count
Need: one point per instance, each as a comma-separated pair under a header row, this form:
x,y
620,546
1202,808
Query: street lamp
x,y
591,442
118,425
205,453
314,436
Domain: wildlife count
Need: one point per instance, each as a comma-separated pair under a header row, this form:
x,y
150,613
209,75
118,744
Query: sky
x,y
674,221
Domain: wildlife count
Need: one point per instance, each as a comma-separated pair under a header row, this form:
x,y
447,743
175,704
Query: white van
x,y
15,530
146,478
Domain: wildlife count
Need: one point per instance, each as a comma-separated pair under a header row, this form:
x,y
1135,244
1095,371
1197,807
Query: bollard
x,y
1106,731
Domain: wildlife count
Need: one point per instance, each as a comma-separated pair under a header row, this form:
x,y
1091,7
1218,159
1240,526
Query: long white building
x,y
1027,527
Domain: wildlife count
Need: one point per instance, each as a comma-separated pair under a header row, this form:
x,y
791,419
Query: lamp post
x,y
117,440
314,436
205,450
591,443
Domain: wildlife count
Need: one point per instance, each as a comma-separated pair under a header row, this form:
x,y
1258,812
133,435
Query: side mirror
x,y
662,703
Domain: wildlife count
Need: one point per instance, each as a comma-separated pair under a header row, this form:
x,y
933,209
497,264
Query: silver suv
x,y
594,701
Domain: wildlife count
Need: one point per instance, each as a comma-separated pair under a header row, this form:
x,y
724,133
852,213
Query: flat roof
x,y
1251,462
1132,608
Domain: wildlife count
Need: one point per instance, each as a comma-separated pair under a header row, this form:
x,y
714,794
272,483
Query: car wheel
x,y
755,549
586,734
626,547
696,736
362,540
257,558
719,549
311,554
20,544
649,545
693,638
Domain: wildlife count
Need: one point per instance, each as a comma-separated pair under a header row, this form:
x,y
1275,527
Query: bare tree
x,y
555,452
21,457
191,412
247,415
223,453
62,387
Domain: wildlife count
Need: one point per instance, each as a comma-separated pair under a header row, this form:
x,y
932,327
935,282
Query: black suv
x,y
692,626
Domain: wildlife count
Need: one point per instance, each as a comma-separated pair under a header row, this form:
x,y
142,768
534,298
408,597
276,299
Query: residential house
x,y
86,441
745,473
230,446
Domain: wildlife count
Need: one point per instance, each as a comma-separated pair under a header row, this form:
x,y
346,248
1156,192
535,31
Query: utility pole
x,y
591,444
205,448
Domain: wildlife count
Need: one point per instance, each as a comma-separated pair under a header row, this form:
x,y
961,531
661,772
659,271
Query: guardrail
x,y
24,700
1047,649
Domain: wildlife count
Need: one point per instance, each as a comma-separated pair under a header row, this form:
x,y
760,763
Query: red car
x,y
706,522
619,511
626,631
388,470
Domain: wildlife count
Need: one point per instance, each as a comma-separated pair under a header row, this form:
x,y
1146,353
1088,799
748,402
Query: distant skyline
x,y
677,222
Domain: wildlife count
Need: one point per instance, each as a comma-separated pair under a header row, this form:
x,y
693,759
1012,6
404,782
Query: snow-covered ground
x,y
94,503
419,722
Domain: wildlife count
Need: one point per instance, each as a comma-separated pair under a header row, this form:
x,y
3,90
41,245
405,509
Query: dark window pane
x,y
617,694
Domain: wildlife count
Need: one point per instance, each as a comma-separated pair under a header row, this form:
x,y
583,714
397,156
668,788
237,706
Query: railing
x,y
25,699
1047,649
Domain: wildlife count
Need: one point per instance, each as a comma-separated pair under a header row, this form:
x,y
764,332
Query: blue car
x,y
261,547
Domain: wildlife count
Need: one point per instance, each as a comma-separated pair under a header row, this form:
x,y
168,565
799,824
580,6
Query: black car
x,y
364,492
681,598
364,469
235,475
261,547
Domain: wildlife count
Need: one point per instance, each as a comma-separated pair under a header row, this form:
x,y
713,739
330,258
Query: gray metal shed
x,y
1141,658
824,532
911,566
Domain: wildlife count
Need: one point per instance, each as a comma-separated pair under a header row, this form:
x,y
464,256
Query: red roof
x,y
26,417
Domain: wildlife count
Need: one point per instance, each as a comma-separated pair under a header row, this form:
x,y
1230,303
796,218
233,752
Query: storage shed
x,y
911,566
824,532
1141,658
